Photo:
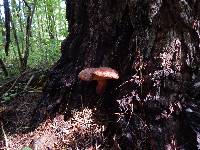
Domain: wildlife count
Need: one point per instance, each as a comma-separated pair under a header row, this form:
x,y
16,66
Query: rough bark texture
x,y
154,45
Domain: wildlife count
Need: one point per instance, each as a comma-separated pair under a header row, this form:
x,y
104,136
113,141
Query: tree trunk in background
x,y
50,19
155,48
29,18
7,25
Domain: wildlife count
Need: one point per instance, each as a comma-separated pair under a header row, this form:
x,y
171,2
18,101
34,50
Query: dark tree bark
x,y
154,45
7,25
30,13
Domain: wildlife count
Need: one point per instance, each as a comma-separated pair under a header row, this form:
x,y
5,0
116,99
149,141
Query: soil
x,y
87,128
81,131
17,107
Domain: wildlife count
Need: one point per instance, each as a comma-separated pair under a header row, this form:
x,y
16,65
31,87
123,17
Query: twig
x,y
15,82
10,81
29,81
5,136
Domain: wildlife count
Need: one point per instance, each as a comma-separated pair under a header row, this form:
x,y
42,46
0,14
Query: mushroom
x,y
100,74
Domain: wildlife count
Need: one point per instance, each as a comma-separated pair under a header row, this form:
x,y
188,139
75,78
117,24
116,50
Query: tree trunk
x,y
155,48
30,13
7,25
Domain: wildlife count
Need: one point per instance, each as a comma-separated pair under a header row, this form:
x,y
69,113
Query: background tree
x,y
154,45
30,46
7,25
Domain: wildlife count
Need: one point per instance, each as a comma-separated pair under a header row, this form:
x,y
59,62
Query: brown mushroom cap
x,y
101,73
86,74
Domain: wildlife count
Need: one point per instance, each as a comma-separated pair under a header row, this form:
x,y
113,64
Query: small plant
x,y
26,148
7,97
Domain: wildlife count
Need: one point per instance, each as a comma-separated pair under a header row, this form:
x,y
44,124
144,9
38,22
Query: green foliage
x,y
12,92
26,148
48,29
7,97
44,53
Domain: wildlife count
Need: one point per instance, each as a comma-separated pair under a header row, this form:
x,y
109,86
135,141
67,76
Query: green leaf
x,y
26,148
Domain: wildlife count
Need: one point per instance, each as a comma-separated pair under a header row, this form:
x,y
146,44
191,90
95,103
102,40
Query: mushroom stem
x,y
101,85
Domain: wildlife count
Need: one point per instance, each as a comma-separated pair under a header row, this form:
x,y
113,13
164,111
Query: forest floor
x,y
79,132
84,130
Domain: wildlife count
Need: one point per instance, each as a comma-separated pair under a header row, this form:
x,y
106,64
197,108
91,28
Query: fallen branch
x,y
15,82
29,81
7,83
